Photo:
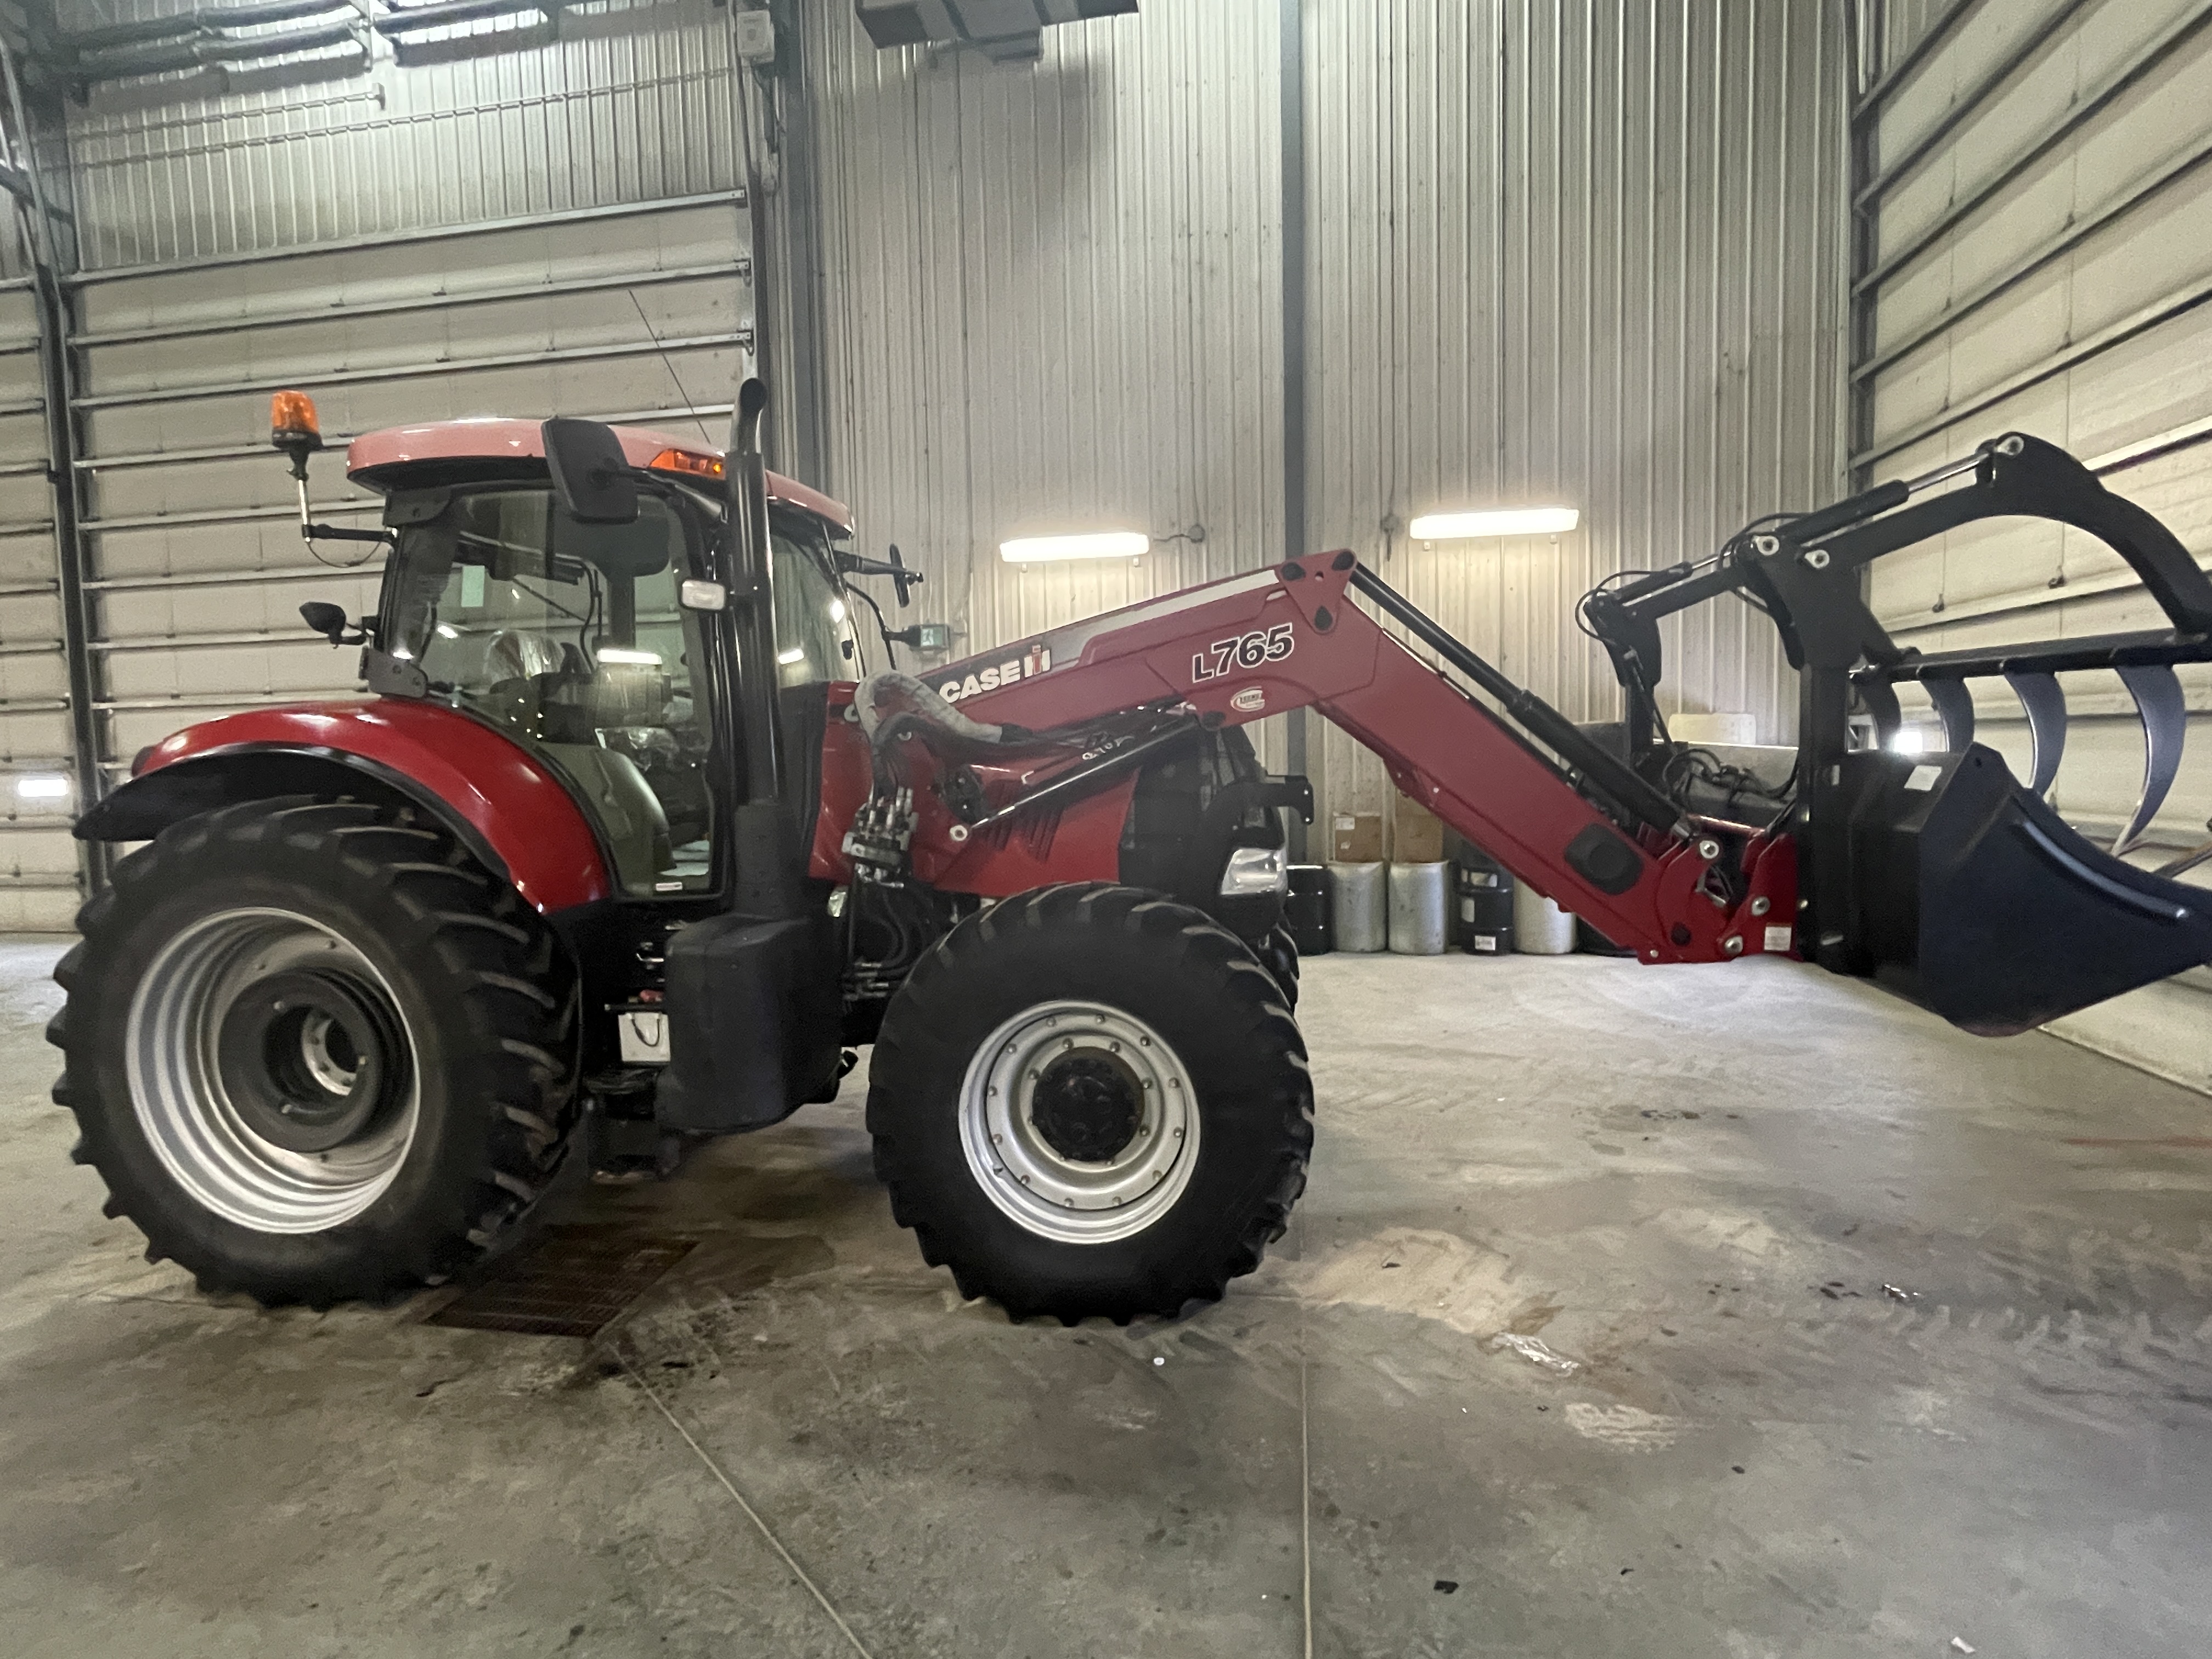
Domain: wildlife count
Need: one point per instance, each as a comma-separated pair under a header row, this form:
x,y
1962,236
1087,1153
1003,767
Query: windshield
x,y
569,635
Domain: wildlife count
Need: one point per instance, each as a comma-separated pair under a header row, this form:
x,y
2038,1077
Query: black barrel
x,y
1483,905
1306,910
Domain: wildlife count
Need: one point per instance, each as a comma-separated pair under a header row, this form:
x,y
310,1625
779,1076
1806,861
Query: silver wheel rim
x,y
186,1107
1078,1200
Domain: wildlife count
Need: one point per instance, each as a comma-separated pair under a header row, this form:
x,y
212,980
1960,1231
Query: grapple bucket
x,y
1971,896
1942,876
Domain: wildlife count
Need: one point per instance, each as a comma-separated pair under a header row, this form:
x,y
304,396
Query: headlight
x,y
1253,871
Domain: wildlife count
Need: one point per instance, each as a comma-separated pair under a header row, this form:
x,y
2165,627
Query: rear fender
x,y
505,807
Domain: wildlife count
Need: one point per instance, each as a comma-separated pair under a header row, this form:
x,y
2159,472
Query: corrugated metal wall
x,y
2042,255
634,100
1581,253
1586,253
1053,300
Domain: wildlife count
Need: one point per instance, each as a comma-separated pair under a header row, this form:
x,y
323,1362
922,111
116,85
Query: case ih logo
x,y
1034,661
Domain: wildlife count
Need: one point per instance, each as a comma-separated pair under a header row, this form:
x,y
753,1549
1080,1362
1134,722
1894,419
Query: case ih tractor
x,y
635,837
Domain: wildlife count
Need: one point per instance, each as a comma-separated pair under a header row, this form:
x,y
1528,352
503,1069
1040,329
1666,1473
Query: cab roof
x,y
399,455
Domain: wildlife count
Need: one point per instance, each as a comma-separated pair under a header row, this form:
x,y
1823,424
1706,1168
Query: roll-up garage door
x,y
195,564
2036,185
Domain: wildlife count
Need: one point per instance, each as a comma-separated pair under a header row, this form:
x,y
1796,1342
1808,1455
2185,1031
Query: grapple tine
x,y
1955,704
2044,704
2158,705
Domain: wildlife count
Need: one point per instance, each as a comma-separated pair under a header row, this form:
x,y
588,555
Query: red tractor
x,y
631,838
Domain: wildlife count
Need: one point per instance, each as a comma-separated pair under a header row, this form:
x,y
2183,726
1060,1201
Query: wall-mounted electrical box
x,y
1008,30
755,33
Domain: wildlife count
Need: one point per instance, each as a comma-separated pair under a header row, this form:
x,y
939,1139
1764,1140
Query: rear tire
x,y
316,1051
1090,1100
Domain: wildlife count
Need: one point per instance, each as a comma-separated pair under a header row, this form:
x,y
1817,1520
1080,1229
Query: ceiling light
x,y
1506,521
797,654
448,631
623,654
42,786
1908,740
1098,544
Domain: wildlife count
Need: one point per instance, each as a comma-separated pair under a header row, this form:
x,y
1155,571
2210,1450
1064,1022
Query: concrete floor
x,y
1582,1312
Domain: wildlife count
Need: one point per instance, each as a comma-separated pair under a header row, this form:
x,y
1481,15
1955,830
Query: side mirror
x,y
591,474
901,579
327,619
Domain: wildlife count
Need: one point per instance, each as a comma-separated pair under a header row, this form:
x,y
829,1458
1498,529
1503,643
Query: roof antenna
x,y
689,407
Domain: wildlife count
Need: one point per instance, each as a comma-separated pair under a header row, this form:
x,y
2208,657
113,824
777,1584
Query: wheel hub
x,y
1086,1104
307,1060
1079,1122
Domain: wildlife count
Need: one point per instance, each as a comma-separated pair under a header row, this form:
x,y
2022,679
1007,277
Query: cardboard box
x,y
1417,835
1356,838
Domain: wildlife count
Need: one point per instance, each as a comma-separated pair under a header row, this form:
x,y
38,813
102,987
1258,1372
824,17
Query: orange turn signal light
x,y
292,423
687,460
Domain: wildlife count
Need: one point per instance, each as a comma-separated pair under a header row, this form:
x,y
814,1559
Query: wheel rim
x,y
272,1071
1079,1122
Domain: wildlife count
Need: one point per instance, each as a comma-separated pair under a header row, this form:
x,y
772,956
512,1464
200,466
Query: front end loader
x,y
634,845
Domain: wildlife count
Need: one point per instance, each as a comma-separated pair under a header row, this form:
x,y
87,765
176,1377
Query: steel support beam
x,y
1291,24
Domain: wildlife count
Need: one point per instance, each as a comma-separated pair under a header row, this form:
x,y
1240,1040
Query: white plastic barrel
x,y
1421,908
1540,928
1361,920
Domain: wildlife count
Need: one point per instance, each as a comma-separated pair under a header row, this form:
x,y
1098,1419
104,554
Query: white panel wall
x,y
1582,254
1588,254
2043,266
1053,301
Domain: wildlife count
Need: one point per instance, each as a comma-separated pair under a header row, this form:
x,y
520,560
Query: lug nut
x,y
1733,944
1759,907
1817,558
1709,849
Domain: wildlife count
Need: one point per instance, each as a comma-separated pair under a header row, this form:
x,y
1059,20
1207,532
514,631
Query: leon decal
x,y
1037,660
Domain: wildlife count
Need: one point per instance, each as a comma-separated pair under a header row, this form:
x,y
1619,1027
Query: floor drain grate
x,y
571,1283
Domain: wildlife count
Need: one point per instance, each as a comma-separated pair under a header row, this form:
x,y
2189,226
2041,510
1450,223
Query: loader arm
x,y
1940,876
1582,829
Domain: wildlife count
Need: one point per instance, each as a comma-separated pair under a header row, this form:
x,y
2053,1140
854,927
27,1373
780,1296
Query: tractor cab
x,y
572,637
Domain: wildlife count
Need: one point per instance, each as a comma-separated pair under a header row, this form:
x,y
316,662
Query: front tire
x,y
316,1051
1278,954
1090,1100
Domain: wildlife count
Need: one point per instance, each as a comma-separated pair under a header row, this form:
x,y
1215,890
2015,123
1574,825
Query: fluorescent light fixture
x,y
1506,521
623,654
1908,740
797,654
1097,545
42,786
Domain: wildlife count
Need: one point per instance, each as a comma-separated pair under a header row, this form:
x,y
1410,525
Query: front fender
x,y
507,807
